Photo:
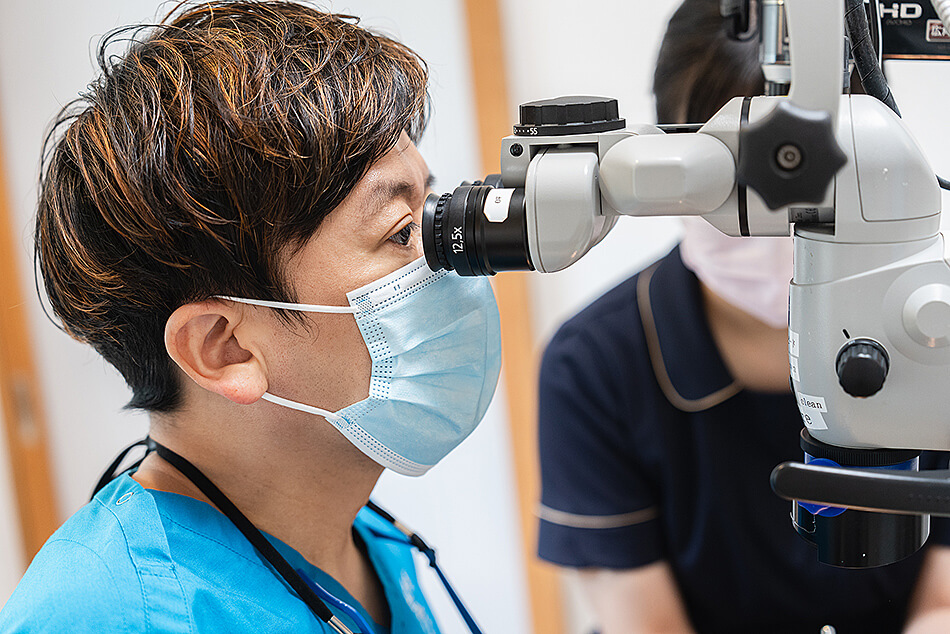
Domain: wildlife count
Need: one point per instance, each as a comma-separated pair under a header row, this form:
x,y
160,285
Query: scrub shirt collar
x,y
390,553
686,362
388,549
297,560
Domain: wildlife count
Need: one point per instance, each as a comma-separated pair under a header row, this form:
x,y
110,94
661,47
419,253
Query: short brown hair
x,y
220,136
699,69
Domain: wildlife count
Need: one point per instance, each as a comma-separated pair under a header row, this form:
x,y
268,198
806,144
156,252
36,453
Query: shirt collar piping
x,y
655,289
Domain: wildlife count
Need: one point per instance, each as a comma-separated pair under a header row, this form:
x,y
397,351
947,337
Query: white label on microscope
x,y
793,367
813,420
793,343
812,402
811,408
496,204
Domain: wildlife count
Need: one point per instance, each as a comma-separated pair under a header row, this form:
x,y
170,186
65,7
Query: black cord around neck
x,y
110,472
267,550
253,535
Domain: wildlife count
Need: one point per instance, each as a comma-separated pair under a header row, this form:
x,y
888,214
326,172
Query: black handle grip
x,y
881,490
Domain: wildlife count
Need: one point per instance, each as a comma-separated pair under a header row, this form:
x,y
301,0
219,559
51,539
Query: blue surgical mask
x,y
435,342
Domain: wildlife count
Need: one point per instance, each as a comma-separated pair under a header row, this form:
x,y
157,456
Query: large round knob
x,y
569,115
862,367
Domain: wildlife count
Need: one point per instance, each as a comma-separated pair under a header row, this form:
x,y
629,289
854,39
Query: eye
x,y
404,235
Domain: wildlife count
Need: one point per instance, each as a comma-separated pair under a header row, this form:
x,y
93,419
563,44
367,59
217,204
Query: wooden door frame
x,y
23,417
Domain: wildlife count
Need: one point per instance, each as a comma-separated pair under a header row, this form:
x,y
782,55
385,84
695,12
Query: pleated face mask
x,y
435,342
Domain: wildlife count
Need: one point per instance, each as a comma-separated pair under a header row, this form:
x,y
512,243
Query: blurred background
x,y
485,57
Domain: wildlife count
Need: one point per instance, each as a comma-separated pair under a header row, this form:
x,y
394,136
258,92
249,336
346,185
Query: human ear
x,y
205,340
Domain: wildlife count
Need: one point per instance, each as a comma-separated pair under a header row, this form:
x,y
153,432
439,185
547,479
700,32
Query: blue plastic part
x,y
821,509
833,511
346,608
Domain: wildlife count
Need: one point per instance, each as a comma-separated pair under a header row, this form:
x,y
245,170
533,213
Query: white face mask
x,y
435,342
752,274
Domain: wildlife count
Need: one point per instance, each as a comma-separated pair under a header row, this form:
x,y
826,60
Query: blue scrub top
x,y
138,560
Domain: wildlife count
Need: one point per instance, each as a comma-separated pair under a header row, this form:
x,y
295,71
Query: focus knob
x,y
569,115
862,367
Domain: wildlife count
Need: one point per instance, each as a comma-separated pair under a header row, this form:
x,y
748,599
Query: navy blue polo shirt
x,y
650,451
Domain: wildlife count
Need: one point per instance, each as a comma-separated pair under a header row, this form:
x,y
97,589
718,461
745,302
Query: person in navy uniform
x,y
664,406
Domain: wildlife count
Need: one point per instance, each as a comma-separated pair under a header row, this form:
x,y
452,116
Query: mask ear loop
x,y
310,409
303,308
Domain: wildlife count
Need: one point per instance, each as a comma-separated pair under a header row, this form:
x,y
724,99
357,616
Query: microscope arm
x,y
787,153
816,76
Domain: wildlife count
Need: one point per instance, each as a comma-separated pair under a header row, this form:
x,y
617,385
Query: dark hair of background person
x,y
206,152
699,69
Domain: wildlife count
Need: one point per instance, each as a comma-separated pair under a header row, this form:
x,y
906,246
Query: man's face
x,y
373,232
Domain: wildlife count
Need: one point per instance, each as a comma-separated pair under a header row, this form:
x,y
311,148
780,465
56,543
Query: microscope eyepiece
x,y
478,229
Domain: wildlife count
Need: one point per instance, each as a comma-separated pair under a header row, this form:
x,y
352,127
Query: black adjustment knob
x,y
569,115
862,367
789,156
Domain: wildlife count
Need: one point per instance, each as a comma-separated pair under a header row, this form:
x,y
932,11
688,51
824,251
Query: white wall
x,y
466,506
607,49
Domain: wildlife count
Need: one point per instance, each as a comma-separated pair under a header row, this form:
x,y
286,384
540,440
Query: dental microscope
x,y
869,308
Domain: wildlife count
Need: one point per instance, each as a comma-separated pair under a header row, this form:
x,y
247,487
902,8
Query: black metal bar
x,y
880,490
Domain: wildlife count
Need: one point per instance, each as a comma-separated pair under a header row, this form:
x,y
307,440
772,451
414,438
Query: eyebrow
x,y
387,191
384,192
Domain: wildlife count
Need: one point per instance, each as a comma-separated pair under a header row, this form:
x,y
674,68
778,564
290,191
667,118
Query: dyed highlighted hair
x,y
211,145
